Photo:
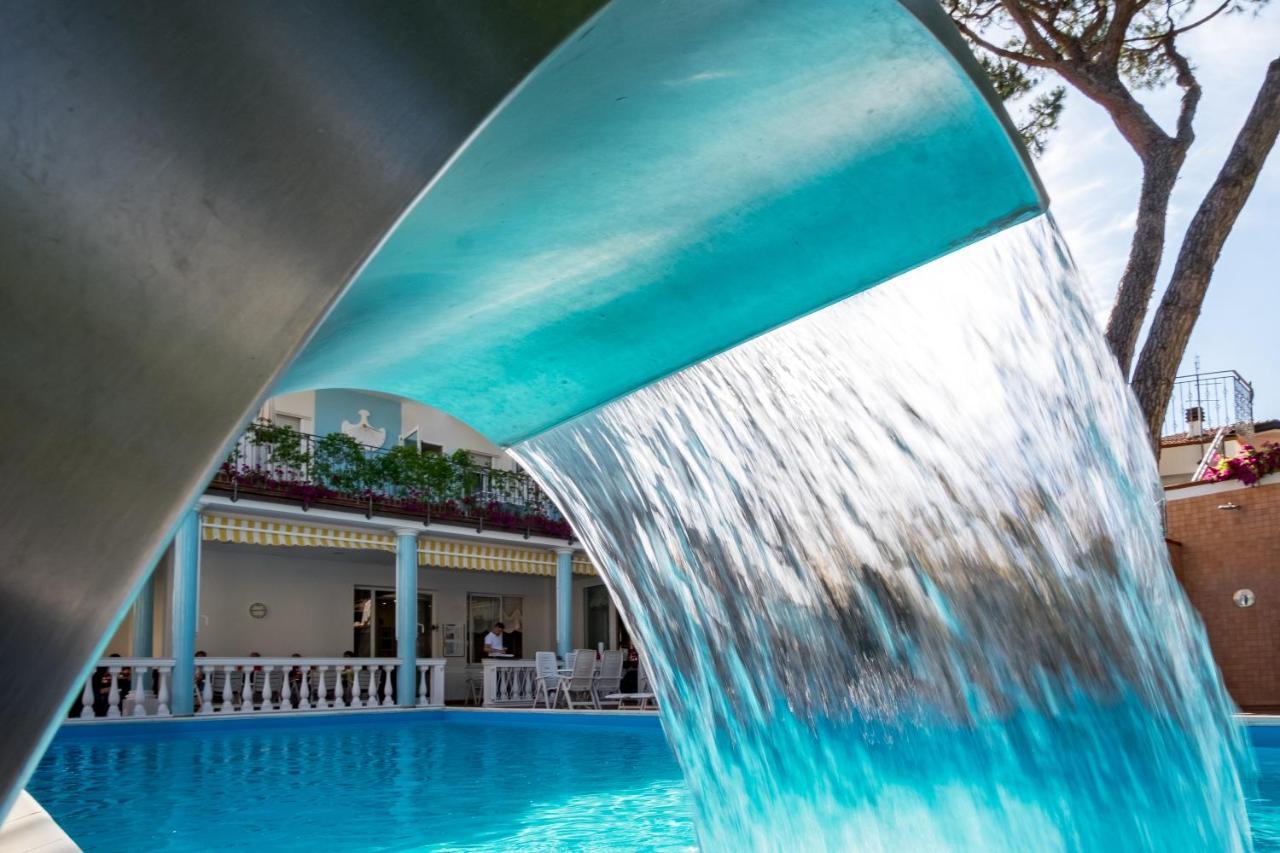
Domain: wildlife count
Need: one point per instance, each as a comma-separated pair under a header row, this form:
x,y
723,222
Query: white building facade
x,y
281,572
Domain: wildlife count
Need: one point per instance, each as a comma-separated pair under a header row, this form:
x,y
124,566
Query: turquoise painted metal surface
x,y
674,179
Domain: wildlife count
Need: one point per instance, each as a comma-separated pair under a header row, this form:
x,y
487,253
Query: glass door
x,y
374,623
384,632
482,612
596,622
426,631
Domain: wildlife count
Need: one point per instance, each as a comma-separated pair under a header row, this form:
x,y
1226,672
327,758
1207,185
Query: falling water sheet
x,y
898,572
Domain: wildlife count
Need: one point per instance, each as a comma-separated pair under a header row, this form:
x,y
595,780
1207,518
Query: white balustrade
x,y
509,683
105,695
388,679
254,685
431,683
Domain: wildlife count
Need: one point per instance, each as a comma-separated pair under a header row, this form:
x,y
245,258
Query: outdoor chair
x,y
475,691
548,678
218,689
367,686
610,678
581,680
643,695
275,688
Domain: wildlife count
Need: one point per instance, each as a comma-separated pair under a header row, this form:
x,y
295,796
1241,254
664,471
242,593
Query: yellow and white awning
x,y
258,531
442,553
454,554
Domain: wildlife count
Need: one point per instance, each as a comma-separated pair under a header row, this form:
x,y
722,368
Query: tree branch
x,y
1171,329
1013,56
1177,31
1190,93
1033,36
1113,42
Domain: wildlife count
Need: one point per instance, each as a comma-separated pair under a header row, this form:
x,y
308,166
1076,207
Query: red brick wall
x,y
1218,551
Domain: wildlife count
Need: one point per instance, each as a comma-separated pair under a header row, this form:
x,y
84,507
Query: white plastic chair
x,y
580,680
610,678
548,678
643,695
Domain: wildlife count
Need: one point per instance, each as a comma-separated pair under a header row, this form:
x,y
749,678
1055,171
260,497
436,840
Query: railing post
x,y
406,616
437,685
490,683
186,588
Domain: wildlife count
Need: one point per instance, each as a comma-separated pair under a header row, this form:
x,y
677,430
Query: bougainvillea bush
x,y
1248,466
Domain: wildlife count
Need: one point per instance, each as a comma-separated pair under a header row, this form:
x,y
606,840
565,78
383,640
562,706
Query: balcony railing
x,y
125,688
276,462
1221,399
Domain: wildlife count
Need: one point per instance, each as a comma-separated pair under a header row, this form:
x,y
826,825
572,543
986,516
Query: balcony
x,y
1207,401
276,463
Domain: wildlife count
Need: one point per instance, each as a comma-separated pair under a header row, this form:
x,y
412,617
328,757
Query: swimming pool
x,y
413,781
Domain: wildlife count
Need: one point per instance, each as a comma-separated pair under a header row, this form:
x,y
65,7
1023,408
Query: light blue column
x,y
407,617
186,590
564,601
143,619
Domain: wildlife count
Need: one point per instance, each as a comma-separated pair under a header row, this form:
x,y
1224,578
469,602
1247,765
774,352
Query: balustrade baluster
x,y
139,691
113,696
356,701
246,690
206,690
286,689
371,701
162,692
86,699
228,697
336,701
388,679
304,687
422,685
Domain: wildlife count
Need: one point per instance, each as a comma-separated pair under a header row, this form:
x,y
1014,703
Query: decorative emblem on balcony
x,y
364,432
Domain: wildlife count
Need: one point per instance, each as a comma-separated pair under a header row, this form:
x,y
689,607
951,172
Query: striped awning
x,y
258,531
442,553
454,554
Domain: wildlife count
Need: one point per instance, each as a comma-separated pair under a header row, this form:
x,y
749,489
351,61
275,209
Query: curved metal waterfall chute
x,y
186,188
673,180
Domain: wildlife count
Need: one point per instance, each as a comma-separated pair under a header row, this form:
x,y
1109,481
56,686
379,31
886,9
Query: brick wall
x,y
1218,551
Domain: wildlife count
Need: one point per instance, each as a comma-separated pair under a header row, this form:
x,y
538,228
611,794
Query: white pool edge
x,y
28,828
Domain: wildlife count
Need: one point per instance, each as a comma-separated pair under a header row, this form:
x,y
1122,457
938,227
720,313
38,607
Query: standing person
x,y
494,644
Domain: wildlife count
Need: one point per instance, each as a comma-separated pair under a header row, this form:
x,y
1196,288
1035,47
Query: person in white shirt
x,y
493,642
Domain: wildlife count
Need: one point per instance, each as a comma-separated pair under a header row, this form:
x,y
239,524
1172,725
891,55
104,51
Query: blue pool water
x,y
450,781
416,781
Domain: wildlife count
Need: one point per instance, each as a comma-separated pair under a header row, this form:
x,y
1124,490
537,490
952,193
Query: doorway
x,y
374,623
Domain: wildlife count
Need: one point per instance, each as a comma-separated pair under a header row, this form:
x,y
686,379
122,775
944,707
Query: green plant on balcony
x,y
309,468
283,445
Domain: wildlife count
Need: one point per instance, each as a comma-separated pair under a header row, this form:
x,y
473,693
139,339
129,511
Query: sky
x,y
1093,178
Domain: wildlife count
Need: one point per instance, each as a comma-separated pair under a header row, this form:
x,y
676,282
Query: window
x,y
483,610
292,421
432,448
596,623
481,460
374,623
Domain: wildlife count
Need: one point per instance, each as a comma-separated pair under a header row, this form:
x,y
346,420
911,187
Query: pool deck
x,y
29,828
